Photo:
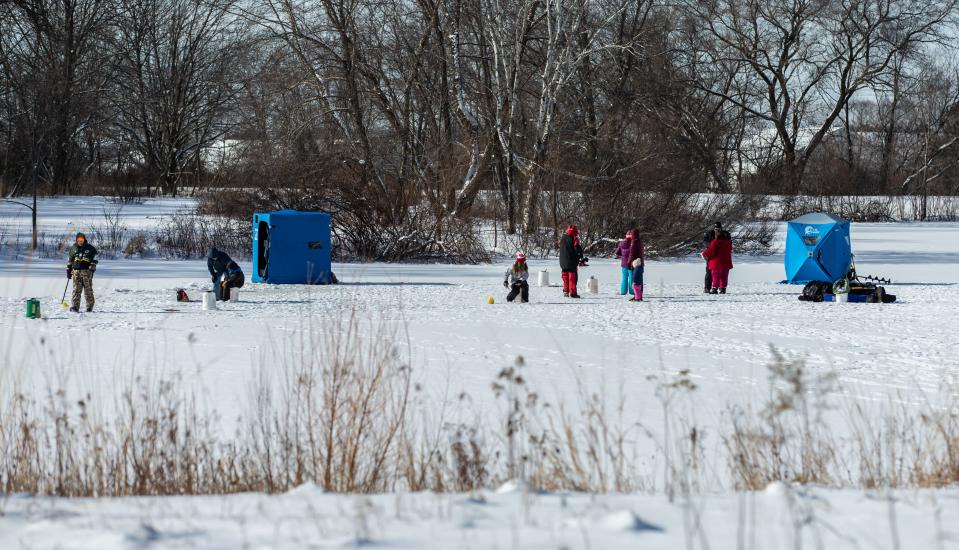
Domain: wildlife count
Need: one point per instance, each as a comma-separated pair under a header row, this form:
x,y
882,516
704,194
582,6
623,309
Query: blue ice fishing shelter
x,y
817,249
292,247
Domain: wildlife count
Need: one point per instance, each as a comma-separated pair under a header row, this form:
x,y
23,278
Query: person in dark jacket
x,y
225,272
719,258
570,257
708,238
81,264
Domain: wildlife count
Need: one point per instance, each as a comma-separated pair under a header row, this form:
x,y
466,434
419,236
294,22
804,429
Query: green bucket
x,y
33,308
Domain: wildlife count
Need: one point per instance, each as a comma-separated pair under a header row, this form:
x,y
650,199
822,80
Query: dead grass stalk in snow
x,y
346,414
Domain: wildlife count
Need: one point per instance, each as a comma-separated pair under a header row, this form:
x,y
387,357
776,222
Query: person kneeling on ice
x,y
517,279
719,256
225,272
626,275
570,258
81,264
637,262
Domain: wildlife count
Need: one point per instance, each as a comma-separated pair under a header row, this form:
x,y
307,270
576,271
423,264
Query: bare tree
x,y
470,121
797,63
175,76
507,33
937,126
53,65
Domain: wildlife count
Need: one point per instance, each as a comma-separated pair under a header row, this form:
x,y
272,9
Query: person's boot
x,y
74,309
708,291
714,291
565,294
722,291
640,292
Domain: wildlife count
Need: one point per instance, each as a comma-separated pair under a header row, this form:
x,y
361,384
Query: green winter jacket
x,y
82,257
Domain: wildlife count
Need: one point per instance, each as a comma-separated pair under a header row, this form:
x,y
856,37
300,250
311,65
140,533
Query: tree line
x,y
384,109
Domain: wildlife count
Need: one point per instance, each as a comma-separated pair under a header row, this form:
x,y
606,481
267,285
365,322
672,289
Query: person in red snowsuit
x,y
719,256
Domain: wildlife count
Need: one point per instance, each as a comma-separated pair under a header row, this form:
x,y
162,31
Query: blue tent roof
x,y
818,218
818,248
298,213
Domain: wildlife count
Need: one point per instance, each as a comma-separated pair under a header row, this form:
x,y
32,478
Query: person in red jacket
x,y
720,258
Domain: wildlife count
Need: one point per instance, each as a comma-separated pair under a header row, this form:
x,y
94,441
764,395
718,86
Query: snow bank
x,y
836,520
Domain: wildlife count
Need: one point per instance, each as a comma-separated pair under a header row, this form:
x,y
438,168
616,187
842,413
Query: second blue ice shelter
x,y
817,249
292,247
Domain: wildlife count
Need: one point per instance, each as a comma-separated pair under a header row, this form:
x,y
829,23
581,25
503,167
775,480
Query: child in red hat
x,y
517,279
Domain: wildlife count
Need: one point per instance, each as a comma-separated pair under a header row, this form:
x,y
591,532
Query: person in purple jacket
x,y
622,252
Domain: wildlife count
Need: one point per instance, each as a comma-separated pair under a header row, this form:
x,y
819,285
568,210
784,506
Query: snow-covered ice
x,y
62,216
458,343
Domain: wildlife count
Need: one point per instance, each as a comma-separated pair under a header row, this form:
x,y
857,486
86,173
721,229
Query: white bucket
x,y
592,285
842,298
234,294
209,301
544,278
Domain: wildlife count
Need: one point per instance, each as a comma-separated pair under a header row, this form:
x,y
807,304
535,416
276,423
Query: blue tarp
x,y
817,249
292,247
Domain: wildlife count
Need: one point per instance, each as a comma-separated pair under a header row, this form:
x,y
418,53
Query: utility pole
x,y
925,177
33,210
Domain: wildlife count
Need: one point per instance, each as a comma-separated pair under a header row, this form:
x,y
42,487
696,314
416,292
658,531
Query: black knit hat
x,y
718,225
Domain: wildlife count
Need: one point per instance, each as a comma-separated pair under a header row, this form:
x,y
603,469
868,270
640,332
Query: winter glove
x,y
93,268
505,284
69,273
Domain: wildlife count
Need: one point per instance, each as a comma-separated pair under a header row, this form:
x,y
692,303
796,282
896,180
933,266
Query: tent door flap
x,y
830,235
263,249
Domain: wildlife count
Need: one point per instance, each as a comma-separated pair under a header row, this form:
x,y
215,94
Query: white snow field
x,y
777,518
894,353
63,216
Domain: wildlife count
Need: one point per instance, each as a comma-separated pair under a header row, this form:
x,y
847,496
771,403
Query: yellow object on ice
x,y
490,300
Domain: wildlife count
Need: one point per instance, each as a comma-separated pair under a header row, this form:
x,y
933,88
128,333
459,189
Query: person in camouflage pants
x,y
81,264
